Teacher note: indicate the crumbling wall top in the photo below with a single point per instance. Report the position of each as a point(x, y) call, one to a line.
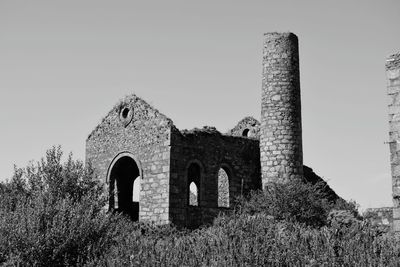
point(206, 130)
point(247, 127)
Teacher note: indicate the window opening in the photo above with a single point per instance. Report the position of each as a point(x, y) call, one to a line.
point(223, 188)
point(193, 182)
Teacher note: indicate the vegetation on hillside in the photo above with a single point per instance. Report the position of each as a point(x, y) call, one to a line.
point(52, 214)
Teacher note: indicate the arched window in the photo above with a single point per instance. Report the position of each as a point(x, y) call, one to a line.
point(193, 194)
point(245, 132)
point(223, 188)
point(193, 183)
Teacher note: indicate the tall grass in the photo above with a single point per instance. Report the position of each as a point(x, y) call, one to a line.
point(51, 214)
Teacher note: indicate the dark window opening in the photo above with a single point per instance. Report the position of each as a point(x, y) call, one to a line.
point(245, 132)
point(122, 179)
point(125, 113)
point(193, 185)
point(223, 188)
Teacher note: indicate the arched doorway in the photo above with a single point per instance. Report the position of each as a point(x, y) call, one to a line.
point(124, 176)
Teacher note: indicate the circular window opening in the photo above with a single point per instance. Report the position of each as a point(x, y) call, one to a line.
point(125, 113)
point(245, 132)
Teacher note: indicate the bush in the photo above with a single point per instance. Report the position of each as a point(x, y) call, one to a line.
point(257, 240)
point(52, 214)
point(294, 201)
point(53, 180)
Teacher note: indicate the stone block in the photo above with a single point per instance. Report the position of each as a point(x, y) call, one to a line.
point(396, 191)
point(393, 89)
point(396, 213)
point(393, 74)
point(394, 109)
point(395, 169)
point(396, 225)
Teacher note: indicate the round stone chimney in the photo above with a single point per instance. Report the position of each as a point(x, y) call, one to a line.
point(280, 135)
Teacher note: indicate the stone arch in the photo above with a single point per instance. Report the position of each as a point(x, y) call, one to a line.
point(123, 175)
point(246, 132)
point(120, 155)
point(224, 186)
point(194, 175)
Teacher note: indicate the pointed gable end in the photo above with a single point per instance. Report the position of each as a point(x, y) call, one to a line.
point(132, 126)
point(131, 114)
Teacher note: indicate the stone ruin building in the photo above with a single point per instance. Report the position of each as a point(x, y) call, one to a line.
point(187, 177)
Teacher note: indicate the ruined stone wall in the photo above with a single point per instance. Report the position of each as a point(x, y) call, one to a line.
point(393, 90)
point(382, 217)
point(211, 150)
point(145, 134)
point(247, 127)
point(280, 137)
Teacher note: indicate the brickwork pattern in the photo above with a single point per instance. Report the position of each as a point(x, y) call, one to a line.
point(280, 136)
point(393, 91)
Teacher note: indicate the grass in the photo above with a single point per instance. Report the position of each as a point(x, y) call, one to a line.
point(51, 214)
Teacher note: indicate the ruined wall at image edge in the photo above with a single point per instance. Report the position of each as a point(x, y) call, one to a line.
point(212, 150)
point(147, 137)
point(393, 91)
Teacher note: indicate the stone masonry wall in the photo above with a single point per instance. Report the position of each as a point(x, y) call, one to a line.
point(280, 136)
point(248, 124)
point(144, 133)
point(393, 91)
point(211, 150)
point(382, 217)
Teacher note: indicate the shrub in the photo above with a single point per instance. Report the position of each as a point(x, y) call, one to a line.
point(257, 240)
point(62, 233)
point(53, 180)
point(294, 201)
point(51, 213)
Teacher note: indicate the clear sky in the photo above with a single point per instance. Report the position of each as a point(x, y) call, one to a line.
point(64, 64)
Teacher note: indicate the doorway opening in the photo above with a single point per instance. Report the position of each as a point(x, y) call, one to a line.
point(124, 181)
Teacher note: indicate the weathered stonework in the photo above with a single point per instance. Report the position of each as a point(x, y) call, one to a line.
point(146, 139)
point(393, 90)
point(247, 127)
point(135, 142)
point(382, 217)
point(280, 137)
point(211, 151)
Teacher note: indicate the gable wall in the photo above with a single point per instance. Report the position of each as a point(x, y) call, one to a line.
point(147, 138)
